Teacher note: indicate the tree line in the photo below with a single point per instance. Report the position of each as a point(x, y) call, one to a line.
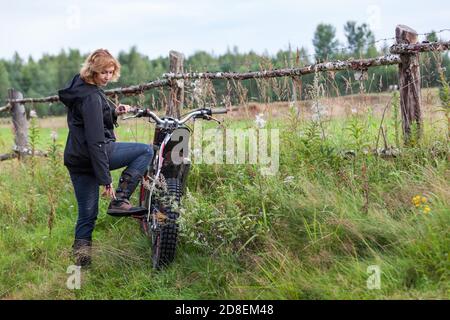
point(51, 72)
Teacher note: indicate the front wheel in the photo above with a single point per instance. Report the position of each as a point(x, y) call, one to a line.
point(162, 229)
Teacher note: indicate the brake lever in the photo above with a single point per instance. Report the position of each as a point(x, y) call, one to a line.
point(132, 110)
point(125, 118)
point(221, 126)
point(212, 118)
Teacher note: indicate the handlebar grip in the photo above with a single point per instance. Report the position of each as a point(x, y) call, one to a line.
point(140, 112)
point(219, 111)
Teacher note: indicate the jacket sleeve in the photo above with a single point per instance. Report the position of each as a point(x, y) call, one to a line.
point(115, 116)
point(92, 112)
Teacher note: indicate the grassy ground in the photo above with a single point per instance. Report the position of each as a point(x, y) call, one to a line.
point(309, 232)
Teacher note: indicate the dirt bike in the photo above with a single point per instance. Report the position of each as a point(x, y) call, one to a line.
point(163, 186)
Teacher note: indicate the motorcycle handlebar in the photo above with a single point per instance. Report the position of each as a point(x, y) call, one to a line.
point(219, 111)
point(203, 113)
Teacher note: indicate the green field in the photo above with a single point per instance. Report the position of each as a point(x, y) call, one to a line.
point(309, 232)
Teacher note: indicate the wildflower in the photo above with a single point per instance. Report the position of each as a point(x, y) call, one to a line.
point(288, 179)
point(420, 203)
point(315, 117)
point(33, 113)
point(417, 200)
point(319, 111)
point(54, 135)
point(260, 122)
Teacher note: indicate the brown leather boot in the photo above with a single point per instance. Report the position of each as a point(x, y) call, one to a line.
point(82, 252)
point(122, 206)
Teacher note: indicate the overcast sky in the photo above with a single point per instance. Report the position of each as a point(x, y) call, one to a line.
point(157, 26)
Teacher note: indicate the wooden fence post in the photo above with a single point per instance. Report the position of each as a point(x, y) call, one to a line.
point(176, 98)
point(20, 123)
point(409, 83)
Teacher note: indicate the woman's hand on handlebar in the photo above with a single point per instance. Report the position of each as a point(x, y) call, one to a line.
point(123, 108)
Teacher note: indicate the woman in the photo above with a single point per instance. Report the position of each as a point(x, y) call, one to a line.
point(92, 151)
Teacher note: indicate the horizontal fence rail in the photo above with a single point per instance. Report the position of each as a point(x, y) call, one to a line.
point(352, 64)
point(420, 47)
point(111, 92)
point(357, 65)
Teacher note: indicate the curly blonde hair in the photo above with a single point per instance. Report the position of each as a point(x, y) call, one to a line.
point(98, 61)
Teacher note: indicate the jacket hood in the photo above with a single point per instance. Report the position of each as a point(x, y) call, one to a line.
point(76, 89)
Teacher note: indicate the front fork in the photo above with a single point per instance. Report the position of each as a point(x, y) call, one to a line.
point(180, 171)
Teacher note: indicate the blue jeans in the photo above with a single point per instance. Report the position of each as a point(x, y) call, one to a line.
point(135, 156)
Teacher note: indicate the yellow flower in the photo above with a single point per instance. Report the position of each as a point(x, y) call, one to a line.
point(419, 200)
point(416, 200)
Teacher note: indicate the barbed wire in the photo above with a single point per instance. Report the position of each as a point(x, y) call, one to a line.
point(371, 43)
point(343, 49)
point(433, 32)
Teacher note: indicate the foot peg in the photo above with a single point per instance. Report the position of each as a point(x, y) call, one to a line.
point(123, 208)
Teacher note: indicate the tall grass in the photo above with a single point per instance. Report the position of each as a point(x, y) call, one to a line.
point(309, 232)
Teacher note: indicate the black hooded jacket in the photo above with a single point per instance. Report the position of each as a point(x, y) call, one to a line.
point(91, 119)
